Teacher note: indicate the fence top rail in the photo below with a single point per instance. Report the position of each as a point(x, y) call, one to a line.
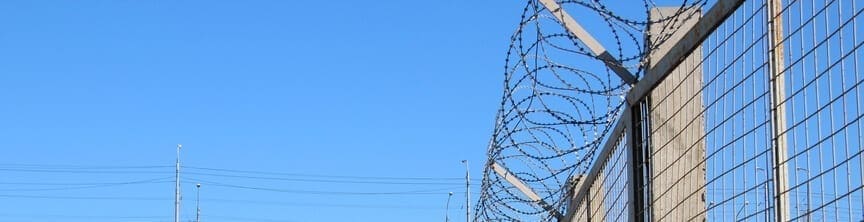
point(693, 38)
point(582, 187)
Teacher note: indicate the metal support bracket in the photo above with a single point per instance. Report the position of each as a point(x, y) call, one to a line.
point(693, 38)
point(599, 51)
point(503, 172)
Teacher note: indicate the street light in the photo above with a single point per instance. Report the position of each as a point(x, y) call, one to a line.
point(710, 214)
point(808, 190)
point(447, 208)
point(467, 192)
point(742, 209)
point(198, 202)
point(765, 186)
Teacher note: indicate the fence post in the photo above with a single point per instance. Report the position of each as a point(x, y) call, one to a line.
point(674, 151)
point(639, 163)
point(778, 108)
point(629, 147)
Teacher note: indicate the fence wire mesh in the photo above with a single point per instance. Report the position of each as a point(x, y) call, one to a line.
point(710, 137)
point(761, 122)
point(725, 124)
point(607, 197)
point(824, 103)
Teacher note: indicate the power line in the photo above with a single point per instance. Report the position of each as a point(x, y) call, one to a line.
point(299, 177)
point(300, 204)
point(58, 183)
point(248, 218)
point(66, 216)
point(219, 200)
point(81, 171)
point(80, 197)
point(89, 186)
point(67, 166)
point(317, 192)
point(322, 175)
point(322, 180)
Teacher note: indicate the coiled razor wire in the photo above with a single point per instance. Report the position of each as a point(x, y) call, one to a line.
point(560, 102)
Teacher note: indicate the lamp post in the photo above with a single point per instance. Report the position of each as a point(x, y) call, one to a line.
point(711, 215)
point(467, 192)
point(808, 191)
point(765, 186)
point(198, 202)
point(447, 208)
point(177, 187)
point(742, 209)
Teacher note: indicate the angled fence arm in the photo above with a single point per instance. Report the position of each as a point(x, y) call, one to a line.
point(504, 173)
point(718, 13)
point(599, 51)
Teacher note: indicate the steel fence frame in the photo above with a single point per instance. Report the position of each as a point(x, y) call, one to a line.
point(775, 113)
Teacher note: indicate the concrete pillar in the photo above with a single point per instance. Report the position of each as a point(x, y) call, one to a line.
point(677, 152)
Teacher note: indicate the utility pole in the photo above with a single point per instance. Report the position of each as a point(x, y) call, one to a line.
point(467, 192)
point(177, 187)
point(808, 191)
point(765, 186)
point(447, 208)
point(742, 209)
point(198, 202)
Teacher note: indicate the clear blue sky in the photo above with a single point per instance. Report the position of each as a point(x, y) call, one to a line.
point(354, 88)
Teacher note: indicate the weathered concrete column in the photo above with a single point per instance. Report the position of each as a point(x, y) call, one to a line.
point(778, 109)
point(677, 152)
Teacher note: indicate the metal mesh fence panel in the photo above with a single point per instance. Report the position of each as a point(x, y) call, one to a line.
point(760, 120)
point(823, 99)
point(606, 197)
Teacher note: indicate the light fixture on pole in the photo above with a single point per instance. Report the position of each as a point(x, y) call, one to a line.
point(765, 186)
point(467, 192)
point(808, 191)
point(177, 187)
point(447, 208)
point(742, 209)
point(198, 202)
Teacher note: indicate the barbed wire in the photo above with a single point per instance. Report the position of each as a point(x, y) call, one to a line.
point(560, 101)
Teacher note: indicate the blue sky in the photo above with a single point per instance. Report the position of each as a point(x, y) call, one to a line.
point(328, 88)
